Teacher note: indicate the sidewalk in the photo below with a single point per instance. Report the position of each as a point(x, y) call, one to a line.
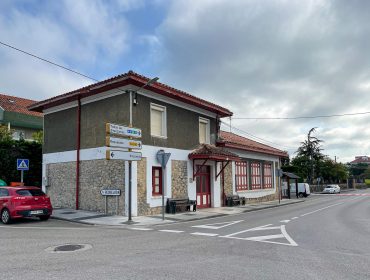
point(93, 218)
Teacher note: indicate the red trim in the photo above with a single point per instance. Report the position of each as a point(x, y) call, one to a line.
point(78, 152)
point(134, 79)
point(214, 157)
point(267, 176)
point(241, 176)
point(154, 168)
point(256, 175)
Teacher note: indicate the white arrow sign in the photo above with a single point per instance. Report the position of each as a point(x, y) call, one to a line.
point(123, 130)
point(122, 143)
point(123, 155)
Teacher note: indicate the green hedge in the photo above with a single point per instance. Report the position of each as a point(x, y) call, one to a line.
point(10, 151)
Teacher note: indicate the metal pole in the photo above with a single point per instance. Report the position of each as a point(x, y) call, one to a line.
point(163, 180)
point(21, 176)
point(129, 190)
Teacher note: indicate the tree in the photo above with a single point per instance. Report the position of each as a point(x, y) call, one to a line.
point(38, 136)
point(310, 152)
point(6, 134)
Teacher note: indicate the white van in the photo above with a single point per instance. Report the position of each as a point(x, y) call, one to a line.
point(303, 189)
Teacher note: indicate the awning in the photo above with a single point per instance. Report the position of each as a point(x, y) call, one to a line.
point(291, 175)
point(208, 152)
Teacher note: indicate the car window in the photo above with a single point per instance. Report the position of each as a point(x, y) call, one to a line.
point(4, 192)
point(30, 192)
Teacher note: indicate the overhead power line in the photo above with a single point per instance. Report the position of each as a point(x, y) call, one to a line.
point(302, 117)
point(48, 61)
point(258, 138)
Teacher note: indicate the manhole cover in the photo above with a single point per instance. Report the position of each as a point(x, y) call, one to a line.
point(68, 248)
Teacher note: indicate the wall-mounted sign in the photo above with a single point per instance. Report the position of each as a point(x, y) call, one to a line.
point(121, 130)
point(122, 143)
point(110, 192)
point(123, 155)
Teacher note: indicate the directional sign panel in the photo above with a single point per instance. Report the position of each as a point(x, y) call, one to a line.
point(23, 164)
point(110, 192)
point(118, 154)
point(122, 143)
point(121, 130)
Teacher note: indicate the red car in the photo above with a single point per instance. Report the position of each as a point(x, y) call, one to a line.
point(20, 202)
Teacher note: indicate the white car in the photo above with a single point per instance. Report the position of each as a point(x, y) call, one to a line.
point(331, 189)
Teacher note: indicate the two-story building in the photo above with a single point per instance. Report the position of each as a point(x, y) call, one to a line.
point(75, 168)
point(15, 115)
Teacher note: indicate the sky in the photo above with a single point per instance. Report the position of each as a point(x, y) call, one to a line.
point(259, 59)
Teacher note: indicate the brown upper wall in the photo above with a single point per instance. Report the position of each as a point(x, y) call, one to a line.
point(61, 127)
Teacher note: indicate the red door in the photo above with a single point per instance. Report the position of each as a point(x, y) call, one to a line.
point(203, 187)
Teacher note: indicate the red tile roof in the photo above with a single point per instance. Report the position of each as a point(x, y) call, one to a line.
point(235, 141)
point(17, 105)
point(206, 151)
point(361, 159)
point(134, 79)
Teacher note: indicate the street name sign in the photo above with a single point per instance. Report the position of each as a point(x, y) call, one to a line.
point(121, 130)
point(122, 143)
point(23, 164)
point(123, 155)
point(110, 192)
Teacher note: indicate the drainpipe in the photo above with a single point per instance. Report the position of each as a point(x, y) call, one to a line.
point(78, 151)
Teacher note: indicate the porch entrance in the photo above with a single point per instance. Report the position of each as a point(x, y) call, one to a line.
point(203, 183)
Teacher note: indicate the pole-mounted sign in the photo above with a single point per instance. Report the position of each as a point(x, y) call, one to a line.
point(22, 165)
point(121, 130)
point(163, 158)
point(122, 143)
point(123, 155)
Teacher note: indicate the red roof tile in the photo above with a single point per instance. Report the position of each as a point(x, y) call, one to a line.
point(206, 151)
point(17, 105)
point(134, 79)
point(361, 159)
point(235, 141)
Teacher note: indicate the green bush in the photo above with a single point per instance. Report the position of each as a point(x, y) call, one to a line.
point(10, 151)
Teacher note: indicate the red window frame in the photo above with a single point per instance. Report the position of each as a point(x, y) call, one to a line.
point(256, 175)
point(241, 176)
point(267, 176)
point(159, 177)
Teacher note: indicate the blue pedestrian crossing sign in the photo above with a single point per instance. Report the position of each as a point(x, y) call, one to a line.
point(23, 164)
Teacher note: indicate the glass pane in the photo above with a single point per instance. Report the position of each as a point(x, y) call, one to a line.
point(157, 189)
point(156, 181)
point(156, 122)
point(198, 184)
point(202, 132)
point(156, 172)
point(204, 186)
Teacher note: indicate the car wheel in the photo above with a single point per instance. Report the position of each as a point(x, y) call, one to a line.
point(301, 195)
point(44, 218)
point(5, 216)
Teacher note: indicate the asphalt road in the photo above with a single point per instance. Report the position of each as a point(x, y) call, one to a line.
point(326, 237)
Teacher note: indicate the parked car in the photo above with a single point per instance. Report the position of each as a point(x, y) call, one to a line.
point(303, 189)
point(331, 189)
point(20, 202)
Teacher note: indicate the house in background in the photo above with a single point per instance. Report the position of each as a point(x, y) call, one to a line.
point(361, 160)
point(201, 166)
point(15, 115)
point(254, 175)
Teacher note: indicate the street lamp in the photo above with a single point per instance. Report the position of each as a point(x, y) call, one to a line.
point(130, 162)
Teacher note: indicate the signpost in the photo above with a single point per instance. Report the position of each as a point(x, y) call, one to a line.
point(163, 158)
point(22, 165)
point(115, 139)
point(110, 192)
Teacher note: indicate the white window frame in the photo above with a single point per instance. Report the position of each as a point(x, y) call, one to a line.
point(157, 107)
point(208, 128)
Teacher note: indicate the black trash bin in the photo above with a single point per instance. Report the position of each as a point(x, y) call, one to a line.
point(229, 201)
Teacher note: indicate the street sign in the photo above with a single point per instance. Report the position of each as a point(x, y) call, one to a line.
point(118, 154)
point(110, 192)
point(23, 164)
point(121, 130)
point(279, 172)
point(122, 143)
point(163, 158)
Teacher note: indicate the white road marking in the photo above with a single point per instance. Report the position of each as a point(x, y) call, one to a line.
point(285, 221)
point(144, 229)
point(61, 228)
point(170, 230)
point(252, 229)
point(294, 218)
point(218, 225)
point(266, 238)
point(309, 213)
point(204, 234)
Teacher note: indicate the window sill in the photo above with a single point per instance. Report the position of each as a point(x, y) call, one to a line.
point(161, 137)
point(156, 196)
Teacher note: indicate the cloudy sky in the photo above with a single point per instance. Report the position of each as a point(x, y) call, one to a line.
point(260, 59)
